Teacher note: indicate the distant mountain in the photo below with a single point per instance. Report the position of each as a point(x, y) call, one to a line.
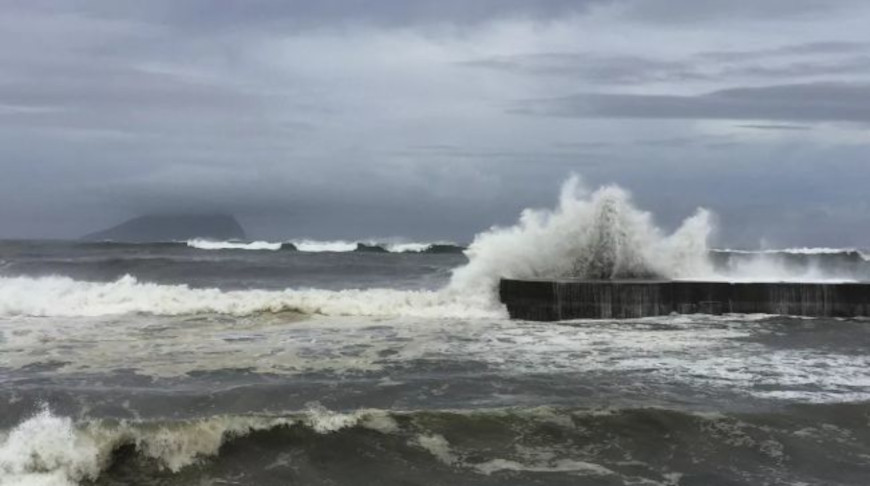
point(157, 227)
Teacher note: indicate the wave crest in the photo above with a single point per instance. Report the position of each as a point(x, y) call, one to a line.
point(51, 450)
point(202, 244)
point(337, 246)
point(598, 235)
point(65, 297)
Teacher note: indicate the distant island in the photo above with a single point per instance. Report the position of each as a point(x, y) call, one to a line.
point(163, 227)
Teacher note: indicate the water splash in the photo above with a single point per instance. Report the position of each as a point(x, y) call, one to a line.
point(593, 235)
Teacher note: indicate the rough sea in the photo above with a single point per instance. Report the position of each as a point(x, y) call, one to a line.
point(246, 364)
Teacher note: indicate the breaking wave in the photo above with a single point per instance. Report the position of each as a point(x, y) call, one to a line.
point(593, 235)
point(577, 446)
point(314, 246)
point(341, 246)
point(795, 264)
point(202, 244)
point(65, 297)
point(799, 251)
point(51, 450)
point(602, 235)
point(590, 234)
point(336, 246)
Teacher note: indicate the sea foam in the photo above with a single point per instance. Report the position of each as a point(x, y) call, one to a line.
point(589, 234)
point(601, 234)
point(202, 244)
point(64, 297)
point(598, 235)
point(389, 245)
point(52, 450)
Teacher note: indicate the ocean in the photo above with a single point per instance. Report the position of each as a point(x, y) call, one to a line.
point(254, 363)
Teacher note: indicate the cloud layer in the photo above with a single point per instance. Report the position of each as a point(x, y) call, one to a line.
point(814, 102)
point(434, 119)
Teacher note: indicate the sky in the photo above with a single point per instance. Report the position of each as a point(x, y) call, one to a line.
point(435, 119)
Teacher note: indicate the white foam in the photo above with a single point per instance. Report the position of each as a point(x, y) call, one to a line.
point(323, 421)
point(391, 245)
point(766, 266)
point(602, 235)
point(65, 297)
point(596, 234)
point(47, 450)
point(409, 247)
point(796, 251)
point(588, 235)
point(438, 446)
point(315, 246)
point(559, 466)
point(51, 450)
point(711, 353)
point(232, 245)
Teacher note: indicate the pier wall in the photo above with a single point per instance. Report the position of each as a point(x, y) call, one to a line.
point(553, 300)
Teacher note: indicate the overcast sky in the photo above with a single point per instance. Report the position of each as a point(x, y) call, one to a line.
point(435, 119)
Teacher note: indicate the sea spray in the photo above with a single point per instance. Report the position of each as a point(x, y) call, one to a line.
point(46, 449)
point(589, 234)
point(595, 235)
point(800, 264)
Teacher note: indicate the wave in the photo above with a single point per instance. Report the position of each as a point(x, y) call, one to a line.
point(232, 245)
point(802, 445)
point(589, 234)
point(51, 450)
point(315, 246)
point(602, 235)
point(595, 235)
point(800, 251)
point(64, 297)
point(337, 246)
point(792, 264)
point(341, 246)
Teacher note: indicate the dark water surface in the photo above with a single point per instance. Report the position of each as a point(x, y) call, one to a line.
point(163, 364)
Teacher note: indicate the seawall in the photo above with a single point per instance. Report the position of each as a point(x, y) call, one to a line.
point(553, 300)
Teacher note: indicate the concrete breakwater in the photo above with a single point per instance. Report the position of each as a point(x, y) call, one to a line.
point(553, 300)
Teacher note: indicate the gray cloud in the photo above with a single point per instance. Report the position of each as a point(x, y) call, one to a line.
point(796, 102)
point(683, 11)
point(277, 15)
point(593, 68)
point(775, 127)
point(793, 70)
point(802, 49)
point(796, 61)
point(269, 15)
point(369, 118)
